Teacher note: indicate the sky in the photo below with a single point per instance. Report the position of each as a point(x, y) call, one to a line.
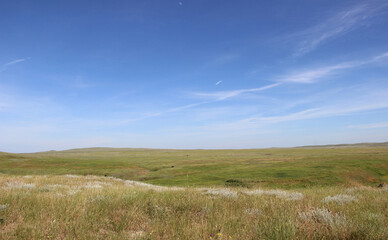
point(192, 74)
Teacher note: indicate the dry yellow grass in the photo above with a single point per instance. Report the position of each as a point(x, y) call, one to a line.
point(90, 207)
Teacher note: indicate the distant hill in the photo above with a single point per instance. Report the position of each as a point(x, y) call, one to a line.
point(355, 145)
point(299, 167)
point(112, 149)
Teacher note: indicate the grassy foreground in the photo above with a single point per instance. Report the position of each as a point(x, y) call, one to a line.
point(326, 192)
point(346, 165)
point(90, 207)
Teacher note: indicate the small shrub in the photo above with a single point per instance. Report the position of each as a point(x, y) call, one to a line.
point(235, 183)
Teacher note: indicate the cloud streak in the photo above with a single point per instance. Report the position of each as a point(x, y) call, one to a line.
point(320, 113)
point(215, 97)
point(339, 24)
point(308, 76)
point(313, 75)
point(223, 95)
point(9, 64)
point(256, 123)
point(358, 105)
point(370, 125)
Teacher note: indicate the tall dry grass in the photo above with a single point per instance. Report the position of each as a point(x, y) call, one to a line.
point(75, 207)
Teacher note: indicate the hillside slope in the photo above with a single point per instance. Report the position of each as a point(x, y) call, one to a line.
point(283, 167)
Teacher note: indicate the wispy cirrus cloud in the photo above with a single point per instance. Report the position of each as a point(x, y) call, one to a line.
point(223, 95)
point(315, 74)
point(339, 24)
point(359, 104)
point(9, 64)
point(213, 97)
point(370, 125)
point(307, 76)
point(159, 113)
point(322, 112)
point(311, 113)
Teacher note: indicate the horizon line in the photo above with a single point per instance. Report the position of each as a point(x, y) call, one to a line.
point(205, 149)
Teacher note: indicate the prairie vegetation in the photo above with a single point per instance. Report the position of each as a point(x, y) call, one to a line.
point(271, 168)
point(304, 193)
point(90, 207)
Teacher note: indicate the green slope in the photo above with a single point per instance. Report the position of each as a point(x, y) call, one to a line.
point(275, 167)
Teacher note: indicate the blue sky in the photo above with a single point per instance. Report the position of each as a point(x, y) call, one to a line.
point(192, 74)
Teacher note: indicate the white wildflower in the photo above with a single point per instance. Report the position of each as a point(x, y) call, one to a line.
point(206, 209)
point(92, 185)
point(72, 176)
point(55, 186)
point(384, 189)
point(3, 206)
point(341, 198)
point(175, 188)
point(140, 184)
point(92, 177)
point(20, 185)
point(277, 193)
point(52, 187)
point(72, 192)
point(151, 186)
point(115, 179)
point(374, 216)
point(136, 234)
point(96, 198)
point(252, 211)
point(102, 183)
point(352, 190)
point(360, 188)
point(323, 215)
point(220, 191)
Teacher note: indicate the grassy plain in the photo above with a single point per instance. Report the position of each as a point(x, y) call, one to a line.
point(326, 192)
point(345, 165)
point(89, 207)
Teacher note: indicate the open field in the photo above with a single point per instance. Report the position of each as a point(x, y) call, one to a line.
point(90, 207)
point(365, 164)
point(325, 192)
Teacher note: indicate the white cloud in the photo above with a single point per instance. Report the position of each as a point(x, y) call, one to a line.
point(357, 105)
point(370, 125)
point(313, 75)
point(339, 24)
point(377, 58)
point(214, 97)
point(223, 95)
point(322, 112)
point(7, 65)
point(219, 82)
point(305, 114)
point(308, 76)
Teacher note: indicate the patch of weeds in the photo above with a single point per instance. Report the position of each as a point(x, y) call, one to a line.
point(235, 183)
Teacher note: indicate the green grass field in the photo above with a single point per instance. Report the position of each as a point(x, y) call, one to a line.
point(281, 168)
point(325, 192)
